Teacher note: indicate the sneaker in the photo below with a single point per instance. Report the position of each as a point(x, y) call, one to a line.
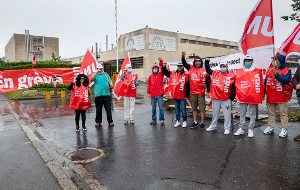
point(226, 132)
point(202, 125)
point(240, 131)
point(297, 138)
point(162, 122)
point(177, 124)
point(210, 129)
point(131, 121)
point(152, 122)
point(84, 128)
point(97, 124)
point(283, 133)
point(268, 130)
point(125, 122)
point(250, 133)
point(111, 124)
point(194, 126)
point(77, 129)
point(184, 124)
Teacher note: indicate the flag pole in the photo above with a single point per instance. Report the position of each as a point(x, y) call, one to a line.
point(117, 49)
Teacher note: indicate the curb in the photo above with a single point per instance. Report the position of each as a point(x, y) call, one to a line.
point(70, 176)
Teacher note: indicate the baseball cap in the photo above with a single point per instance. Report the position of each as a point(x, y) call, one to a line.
point(223, 63)
point(248, 57)
point(99, 66)
point(127, 66)
point(155, 65)
point(179, 64)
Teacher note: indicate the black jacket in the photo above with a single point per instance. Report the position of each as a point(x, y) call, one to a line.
point(168, 73)
point(296, 80)
point(187, 66)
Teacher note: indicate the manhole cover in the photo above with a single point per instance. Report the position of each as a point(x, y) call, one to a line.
point(85, 155)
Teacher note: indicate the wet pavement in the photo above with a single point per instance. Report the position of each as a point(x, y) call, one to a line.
point(142, 156)
point(20, 165)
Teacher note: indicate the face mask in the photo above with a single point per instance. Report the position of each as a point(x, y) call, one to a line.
point(130, 70)
point(248, 64)
point(223, 70)
point(154, 70)
point(276, 63)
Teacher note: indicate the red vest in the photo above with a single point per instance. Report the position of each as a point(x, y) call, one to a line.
point(178, 84)
point(80, 98)
point(277, 92)
point(221, 84)
point(249, 86)
point(128, 88)
point(197, 80)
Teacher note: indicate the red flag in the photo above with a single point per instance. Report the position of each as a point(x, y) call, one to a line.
point(259, 31)
point(89, 65)
point(118, 82)
point(291, 46)
point(167, 86)
point(92, 50)
point(33, 61)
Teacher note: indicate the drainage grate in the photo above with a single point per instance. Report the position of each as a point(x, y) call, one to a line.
point(85, 155)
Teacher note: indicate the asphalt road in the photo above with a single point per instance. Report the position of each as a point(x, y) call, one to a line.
point(142, 156)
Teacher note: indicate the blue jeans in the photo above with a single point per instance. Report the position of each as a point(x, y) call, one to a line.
point(299, 100)
point(159, 100)
point(180, 104)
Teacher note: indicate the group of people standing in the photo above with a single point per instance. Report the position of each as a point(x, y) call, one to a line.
point(247, 86)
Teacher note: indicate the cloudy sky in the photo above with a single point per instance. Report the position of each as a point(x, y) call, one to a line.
point(79, 24)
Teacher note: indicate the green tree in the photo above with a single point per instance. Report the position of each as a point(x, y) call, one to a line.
point(55, 59)
point(296, 15)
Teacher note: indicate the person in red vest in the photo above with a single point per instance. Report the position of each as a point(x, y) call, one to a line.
point(179, 86)
point(155, 91)
point(128, 87)
point(222, 93)
point(80, 99)
point(198, 80)
point(279, 89)
point(249, 92)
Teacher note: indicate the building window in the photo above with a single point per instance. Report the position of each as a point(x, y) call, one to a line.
point(40, 56)
point(223, 46)
point(215, 45)
point(39, 41)
point(34, 48)
point(211, 44)
point(197, 42)
point(182, 40)
point(234, 47)
point(201, 43)
point(192, 42)
point(34, 41)
point(228, 46)
point(187, 41)
point(219, 45)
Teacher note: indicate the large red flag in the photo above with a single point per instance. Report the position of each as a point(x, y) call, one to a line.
point(33, 61)
point(89, 65)
point(259, 31)
point(118, 82)
point(291, 46)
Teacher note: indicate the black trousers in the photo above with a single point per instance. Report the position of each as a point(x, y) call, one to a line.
point(100, 101)
point(77, 117)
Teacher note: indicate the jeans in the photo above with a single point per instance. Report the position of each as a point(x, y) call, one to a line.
point(180, 104)
point(159, 100)
point(299, 100)
point(100, 101)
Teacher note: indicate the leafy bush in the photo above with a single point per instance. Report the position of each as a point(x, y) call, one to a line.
point(45, 85)
point(39, 85)
point(29, 93)
point(50, 85)
point(34, 86)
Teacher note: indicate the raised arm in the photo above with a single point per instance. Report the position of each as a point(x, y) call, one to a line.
point(165, 70)
point(183, 61)
point(207, 67)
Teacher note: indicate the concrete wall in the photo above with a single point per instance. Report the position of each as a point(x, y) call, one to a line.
point(9, 49)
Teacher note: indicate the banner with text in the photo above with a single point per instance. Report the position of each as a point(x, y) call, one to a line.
point(162, 43)
point(11, 80)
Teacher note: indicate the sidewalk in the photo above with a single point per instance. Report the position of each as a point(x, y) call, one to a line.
point(21, 167)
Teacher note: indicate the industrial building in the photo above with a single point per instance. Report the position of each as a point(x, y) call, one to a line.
point(146, 45)
point(22, 47)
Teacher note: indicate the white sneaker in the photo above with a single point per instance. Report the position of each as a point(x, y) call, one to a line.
point(184, 124)
point(268, 130)
point(211, 128)
point(177, 124)
point(240, 131)
point(283, 133)
point(250, 133)
point(226, 132)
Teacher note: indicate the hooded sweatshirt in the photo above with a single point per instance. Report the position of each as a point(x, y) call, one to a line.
point(155, 82)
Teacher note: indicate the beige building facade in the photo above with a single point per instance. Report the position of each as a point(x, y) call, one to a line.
point(146, 45)
point(22, 47)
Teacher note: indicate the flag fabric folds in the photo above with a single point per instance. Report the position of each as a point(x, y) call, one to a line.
point(118, 83)
point(33, 61)
point(291, 46)
point(259, 31)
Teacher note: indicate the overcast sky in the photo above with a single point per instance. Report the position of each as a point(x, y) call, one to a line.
point(79, 24)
